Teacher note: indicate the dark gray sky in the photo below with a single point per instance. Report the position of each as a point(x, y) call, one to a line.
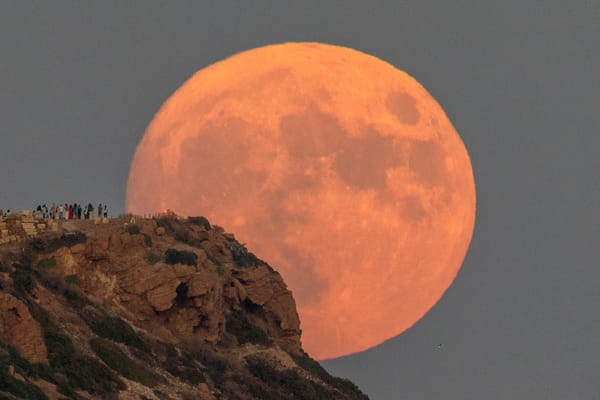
point(80, 81)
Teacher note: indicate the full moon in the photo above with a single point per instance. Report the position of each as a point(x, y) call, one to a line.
point(336, 168)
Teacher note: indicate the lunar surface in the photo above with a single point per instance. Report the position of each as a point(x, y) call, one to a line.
point(339, 170)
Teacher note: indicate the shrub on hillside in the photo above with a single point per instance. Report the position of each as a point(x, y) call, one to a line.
point(82, 372)
point(245, 331)
point(148, 240)
point(116, 359)
point(178, 230)
point(73, 280)
point(153, 258)
point(200, 221)
point(79, 372)
point(242, 256)
point(304, 361)
point(133, 229)
point(117, 330)
point(16, 387)
point(23, 366)
point(287, 380)
point(75, 296)
point(4, 268)
point(214, 365)
point(22, 281)
point(183, 366)
point(50, 245)
point(174, 256)
point(47, 263)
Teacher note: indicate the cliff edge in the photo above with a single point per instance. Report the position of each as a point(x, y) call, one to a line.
point(160, 308)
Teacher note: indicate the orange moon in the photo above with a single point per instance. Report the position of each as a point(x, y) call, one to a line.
point(339, 170)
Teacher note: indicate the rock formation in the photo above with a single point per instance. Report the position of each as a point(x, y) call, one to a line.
point(160, 308)
point(19, 329)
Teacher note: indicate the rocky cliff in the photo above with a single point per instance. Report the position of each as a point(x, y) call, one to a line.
point(160, 308)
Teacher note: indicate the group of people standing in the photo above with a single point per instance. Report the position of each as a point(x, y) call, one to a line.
point(71, 211)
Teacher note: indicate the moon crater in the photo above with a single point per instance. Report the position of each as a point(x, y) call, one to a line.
point(404, 107)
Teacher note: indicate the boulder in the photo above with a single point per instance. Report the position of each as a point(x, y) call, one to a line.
point(65, 261)
point(153, 278)
point(200, 283)
point(268, 290)
point(161, 298)
point(258, 284)
point(241, 290)
point(19, 329)
point(204, 392)
point(98, 249)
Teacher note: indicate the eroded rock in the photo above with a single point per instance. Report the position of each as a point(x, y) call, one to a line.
point(19, 329)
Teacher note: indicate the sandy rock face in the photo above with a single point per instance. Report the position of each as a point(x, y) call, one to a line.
point(201, 282)
point(19, 329)
point(204, 392)
point(207, 291)
point(267, 289)
point(258, 283)
point(186, 301)
point(67, 260)
point(161, 298)
point(200, 325)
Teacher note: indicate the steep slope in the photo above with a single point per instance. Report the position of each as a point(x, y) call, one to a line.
point(160, 308)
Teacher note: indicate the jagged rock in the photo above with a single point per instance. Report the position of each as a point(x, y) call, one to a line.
point(258, 283)
point(201, 282)
point(200, 233)
point(78, 249)
point(153, 277)
point(242, 293)
point(266, 289)
point(216, 245)
point(66, 262)
point(213, 314)
point(98, 250)
point(69, 226)
point(161, 297)
point(19, 329)
point(183, 272)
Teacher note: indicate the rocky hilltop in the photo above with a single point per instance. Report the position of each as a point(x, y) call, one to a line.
point(161, 308)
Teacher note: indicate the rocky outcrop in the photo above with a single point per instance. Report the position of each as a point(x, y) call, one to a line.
point(22, 225)
point(191, 302)
point(20, 330)
point(207, 323)
point(266, 289)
